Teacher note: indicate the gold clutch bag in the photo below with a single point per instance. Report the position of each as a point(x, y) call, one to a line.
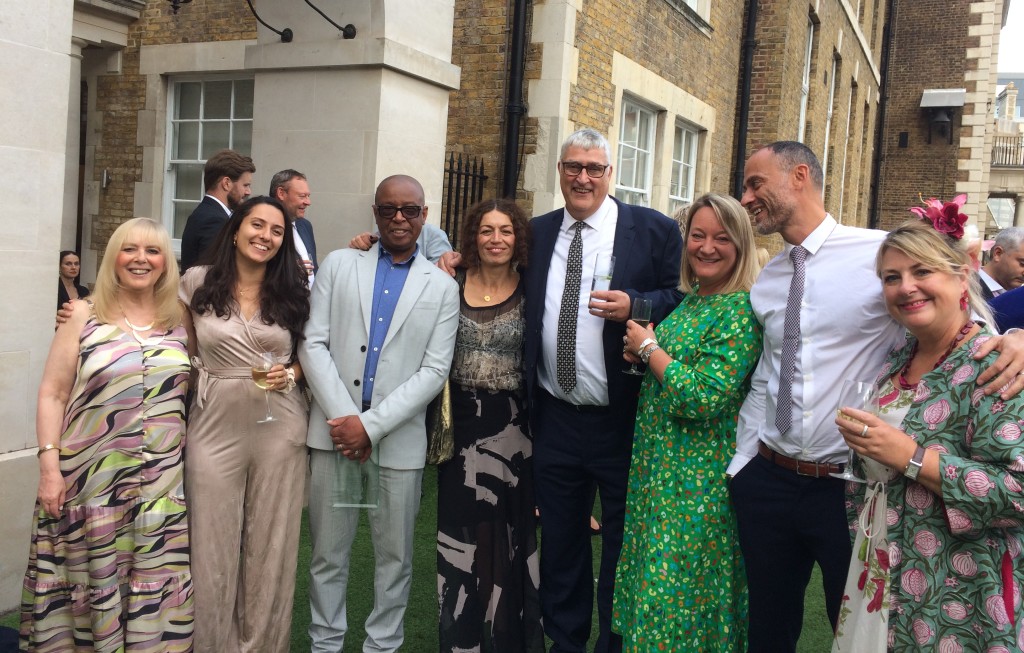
point(440, 429)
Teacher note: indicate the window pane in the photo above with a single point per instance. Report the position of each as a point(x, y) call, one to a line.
point(216, 136)
point(186, 140)
point(188, 182)
point(217, 102)
point(181, 212)
point(241, 137)
point(629, 125)
point(243, 98)
point(677, 146)
point(627, 166)
point(645, 134)
point(189, 94)
point(674, 183)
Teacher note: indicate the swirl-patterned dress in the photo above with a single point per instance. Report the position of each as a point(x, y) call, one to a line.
point(680, 584)
point(957, 560)
point(112, 572)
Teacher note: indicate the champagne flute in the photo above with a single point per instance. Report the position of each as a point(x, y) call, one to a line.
point(642, 316)
point(861, 395)
point(603, 269)
point(261, 365)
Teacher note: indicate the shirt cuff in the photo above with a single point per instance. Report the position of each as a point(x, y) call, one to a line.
point(739, 461)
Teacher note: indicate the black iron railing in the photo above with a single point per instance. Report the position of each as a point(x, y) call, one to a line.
point(463, 186)
point(1008, 151)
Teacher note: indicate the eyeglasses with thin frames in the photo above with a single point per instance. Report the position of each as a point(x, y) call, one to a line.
point(594, 170)
point(409, 212)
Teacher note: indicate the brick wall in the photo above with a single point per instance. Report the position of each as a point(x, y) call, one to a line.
point(930, 38)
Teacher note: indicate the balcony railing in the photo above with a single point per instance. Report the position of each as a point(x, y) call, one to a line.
point(1008, 151)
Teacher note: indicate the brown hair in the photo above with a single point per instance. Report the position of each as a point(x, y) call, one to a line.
point(226, 163)
point(471, 226)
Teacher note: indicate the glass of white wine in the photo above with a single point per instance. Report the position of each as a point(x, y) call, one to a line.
point(862, 395)
point(642, 316)
point(261, 365)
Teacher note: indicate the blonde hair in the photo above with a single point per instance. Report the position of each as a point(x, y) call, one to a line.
point(921, 242)
point(736, 223)
point(104, 297)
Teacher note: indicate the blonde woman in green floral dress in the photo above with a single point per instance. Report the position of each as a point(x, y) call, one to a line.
point(680, 583)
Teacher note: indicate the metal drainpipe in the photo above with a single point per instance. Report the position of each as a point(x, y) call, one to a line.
point(883, 96)
point(515, 109)
point(749, 43)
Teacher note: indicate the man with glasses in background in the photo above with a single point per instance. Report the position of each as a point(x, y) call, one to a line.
point(582, 404)
point(378, 346)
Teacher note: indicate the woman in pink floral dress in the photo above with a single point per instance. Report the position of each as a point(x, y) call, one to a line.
point(955, 503)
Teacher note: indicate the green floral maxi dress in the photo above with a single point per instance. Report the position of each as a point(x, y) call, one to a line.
point(680, 583)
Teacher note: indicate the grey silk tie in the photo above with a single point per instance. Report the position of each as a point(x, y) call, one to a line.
point(569, 313)
point(790, 341)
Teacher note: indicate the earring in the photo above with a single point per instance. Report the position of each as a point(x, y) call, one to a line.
point(234, 241)
point(963, 301)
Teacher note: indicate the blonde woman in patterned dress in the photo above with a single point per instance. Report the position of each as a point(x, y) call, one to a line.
point(952, 460)
point(109, 564)
point(680, 583)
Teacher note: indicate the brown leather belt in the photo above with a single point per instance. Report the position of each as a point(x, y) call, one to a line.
point(801, 467)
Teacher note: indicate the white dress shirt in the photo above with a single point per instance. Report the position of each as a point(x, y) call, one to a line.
point(994, 286)
point(303, 253)
point(591, 377)
point(845, 334)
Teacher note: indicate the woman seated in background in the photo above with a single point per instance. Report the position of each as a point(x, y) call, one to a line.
point(487, 565)
point(68, 287)
point(950, 462)
point(246, 479)
point(680, 583)
point(109, 562)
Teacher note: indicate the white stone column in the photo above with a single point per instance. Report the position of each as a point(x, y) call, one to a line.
point(349, 112)
point(34, 60)
point(69, 219)
point(1018, 211)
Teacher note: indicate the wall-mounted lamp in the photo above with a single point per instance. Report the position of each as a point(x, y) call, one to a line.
point(176, 4)
point(940, 105)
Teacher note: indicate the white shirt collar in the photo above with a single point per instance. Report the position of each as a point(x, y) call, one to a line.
point(222, 204)
point(595, 220)
point(816, 238)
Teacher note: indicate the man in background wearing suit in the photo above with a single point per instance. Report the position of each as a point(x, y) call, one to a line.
point(227, 177)
point(583, 407)
point(291, 188)
point(1005, 268)
point(378, 347)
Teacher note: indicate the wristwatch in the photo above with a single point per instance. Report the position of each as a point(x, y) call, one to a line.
point(913, 467)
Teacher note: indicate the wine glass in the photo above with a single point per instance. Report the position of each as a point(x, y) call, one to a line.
point(642, 316)
point(261, 365)
point(861, 395)
point(603, 269)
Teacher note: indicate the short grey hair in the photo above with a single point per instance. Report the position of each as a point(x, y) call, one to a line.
point(282, 178)
point(1009, 239)
point(587, 139)
point(793, 153)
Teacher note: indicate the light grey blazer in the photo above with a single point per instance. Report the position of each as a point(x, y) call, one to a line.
point(413, 364)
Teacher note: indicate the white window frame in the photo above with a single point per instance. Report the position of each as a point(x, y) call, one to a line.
point(828, 122)
point(805, 84)
point(172, 163)
point(637, 189)
point(684, 166)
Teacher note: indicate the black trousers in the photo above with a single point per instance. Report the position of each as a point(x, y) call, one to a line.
point(787, 522)
point(573, 451)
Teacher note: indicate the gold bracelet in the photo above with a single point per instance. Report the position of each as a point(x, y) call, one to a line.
point(43, 449)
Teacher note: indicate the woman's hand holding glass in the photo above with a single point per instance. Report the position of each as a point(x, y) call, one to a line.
point(635, 335)
point(879, 441)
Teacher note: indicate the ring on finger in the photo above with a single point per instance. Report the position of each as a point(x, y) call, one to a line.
point(864, 431)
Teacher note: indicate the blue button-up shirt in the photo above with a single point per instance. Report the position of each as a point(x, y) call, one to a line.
point(387, 288)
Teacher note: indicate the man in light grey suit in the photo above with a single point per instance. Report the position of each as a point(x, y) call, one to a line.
point(378, 347)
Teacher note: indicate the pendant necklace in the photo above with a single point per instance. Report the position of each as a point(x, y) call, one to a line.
point(135, 329)
point(901, 377)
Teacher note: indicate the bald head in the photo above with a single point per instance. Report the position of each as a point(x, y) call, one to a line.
point(399, 180)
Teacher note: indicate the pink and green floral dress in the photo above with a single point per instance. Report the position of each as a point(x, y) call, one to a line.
point(956, 562)
point(680, 583)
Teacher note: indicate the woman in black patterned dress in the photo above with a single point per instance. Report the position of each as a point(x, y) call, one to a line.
point(487, 566)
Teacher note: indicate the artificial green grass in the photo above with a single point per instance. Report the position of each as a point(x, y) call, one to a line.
point(421, 617)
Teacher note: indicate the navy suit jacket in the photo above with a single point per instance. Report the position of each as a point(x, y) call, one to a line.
point(648, 251)
point(200, 231)
point(305, 229)
point(1009, 309)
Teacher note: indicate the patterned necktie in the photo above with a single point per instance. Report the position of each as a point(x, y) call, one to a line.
point(569, 313)
point(790, 342)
